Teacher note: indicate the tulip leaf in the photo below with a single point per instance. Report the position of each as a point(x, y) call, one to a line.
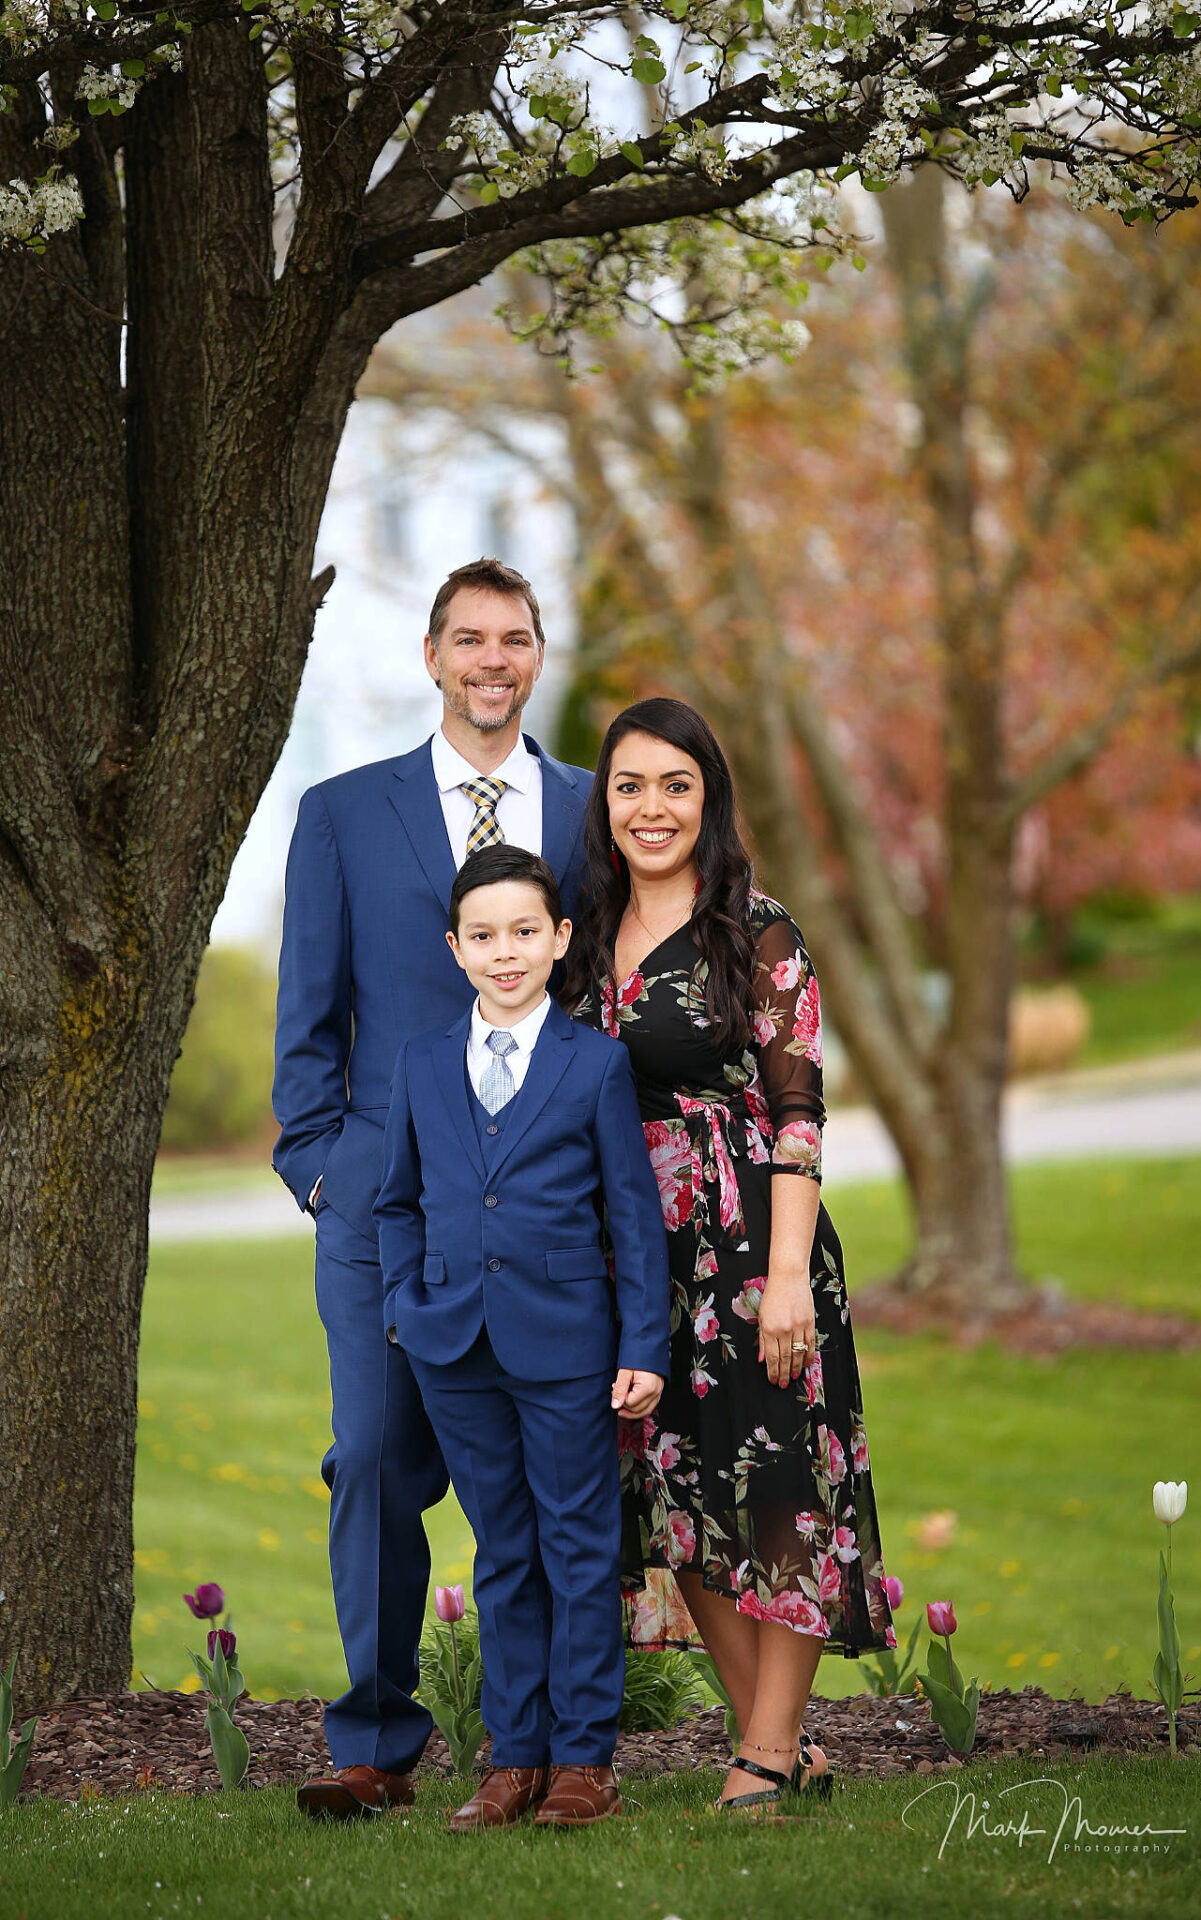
point(1169, 1644)
point(942, 1669)
point(13, 1770)
point(6, 1708)
point(231, 1750)
point(954, 1717)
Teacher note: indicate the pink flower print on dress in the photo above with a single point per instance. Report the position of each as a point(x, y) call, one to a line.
point(634, 1436)
point(680, 1543)
point(756, 1100)
point(666, 1451)
point(702, 1381)
point(838, 1459)
point(633, 989)
point(786, 974)
point(890, 1637)
point(705, 1323)
point(806, 1525)
point(829, 1580)
point(786, 1610)
point(844, 1544)
point(670, 1159)
point(764, 1028)
point(799, 1144)
point(859, 1460)
point(814, 1384)
point(807, 1024)
point(747, 1305)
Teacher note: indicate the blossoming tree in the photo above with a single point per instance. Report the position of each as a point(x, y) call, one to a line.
point(210, 214)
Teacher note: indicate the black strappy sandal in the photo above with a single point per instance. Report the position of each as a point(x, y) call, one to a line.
point(782, 1783)
point(822, 1784)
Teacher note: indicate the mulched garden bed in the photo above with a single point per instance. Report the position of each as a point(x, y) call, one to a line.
point(137, 1742)
point(1049, 1322)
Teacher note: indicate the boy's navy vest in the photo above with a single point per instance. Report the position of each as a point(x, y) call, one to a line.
point(489, 1127)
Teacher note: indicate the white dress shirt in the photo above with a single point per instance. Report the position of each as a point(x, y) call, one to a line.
point(525, 1032)
point(519, 809)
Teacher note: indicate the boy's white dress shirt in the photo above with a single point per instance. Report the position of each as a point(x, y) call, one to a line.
point(519, 809)
point(480, 1055)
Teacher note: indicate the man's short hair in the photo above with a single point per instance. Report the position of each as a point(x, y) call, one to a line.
point(491, 574)
point(493, 864)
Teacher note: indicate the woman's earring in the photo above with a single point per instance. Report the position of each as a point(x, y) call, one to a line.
point(613, 854)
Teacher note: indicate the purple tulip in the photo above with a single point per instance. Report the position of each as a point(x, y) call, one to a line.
point(941, 1616)
point(448, 1604)
point(207, 1601)
point(227, 1639)
point(894, 1591)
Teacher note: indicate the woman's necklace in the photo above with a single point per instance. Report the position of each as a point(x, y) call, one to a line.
point(678, 921)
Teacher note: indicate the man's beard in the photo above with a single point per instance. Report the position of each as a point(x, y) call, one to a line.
point(457, 700)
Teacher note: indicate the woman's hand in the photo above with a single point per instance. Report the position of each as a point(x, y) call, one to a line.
point(635, 1394)
point(787, 1327)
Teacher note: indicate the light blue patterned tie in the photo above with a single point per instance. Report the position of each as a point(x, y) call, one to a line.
point(497, 1086)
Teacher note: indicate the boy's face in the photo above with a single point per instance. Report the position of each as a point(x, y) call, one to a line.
point(507, 944)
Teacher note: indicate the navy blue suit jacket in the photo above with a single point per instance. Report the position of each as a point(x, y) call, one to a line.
point(364, 961)
point(517, 1247)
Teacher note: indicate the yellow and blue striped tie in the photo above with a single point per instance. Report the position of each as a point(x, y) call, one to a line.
point(485, 830)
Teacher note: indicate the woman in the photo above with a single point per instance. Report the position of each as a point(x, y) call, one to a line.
point(751, 1482)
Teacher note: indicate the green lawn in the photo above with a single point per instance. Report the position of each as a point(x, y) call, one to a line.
point(875, 1850)
point(1144, 988)
point(1128, 1230)
point(1047, 1464)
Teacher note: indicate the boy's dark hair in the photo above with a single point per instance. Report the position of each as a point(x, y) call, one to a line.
point(491, 573)
point(491, 864)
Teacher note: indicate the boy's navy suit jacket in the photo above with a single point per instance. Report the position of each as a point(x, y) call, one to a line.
point(518, 1247)
point(364, 961)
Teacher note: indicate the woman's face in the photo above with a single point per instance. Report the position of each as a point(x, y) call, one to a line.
point(656, 797)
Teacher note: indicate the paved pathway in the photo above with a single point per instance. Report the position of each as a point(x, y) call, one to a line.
point(1141, 1109)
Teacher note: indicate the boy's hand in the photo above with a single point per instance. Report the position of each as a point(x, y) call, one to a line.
point(635, 1394)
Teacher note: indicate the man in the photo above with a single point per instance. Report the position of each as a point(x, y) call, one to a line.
point(364, 964)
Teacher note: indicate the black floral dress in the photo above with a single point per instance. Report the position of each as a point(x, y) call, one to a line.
point(765, 1491)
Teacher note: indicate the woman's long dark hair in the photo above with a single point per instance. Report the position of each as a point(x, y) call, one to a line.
point(720, 918)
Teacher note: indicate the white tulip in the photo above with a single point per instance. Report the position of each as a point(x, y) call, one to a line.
point(1169, 1499)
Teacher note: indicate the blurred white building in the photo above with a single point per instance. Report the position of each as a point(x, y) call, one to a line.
point(401, 514)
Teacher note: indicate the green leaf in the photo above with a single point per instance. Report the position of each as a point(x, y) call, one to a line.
point(96, 107)
point(582, 163)
point(858, 262)
point(13, 1770)
point(633, 153)
point(754, 10)
point(856, 27)
point(1053, 84)
point(1017, 141)
point(946, 1673)
point(648, 71)
point(539, 106)
point(1184, 23)
point(1169, 1645)
point(133, 69)
point(104, 9)
point(676, 8)
point(876, 186)
point(847, 167)
point(488, 193)
point(231, 1749)
point(955, 1718)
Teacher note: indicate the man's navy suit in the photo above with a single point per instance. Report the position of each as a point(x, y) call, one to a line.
point(364, 964)
point(496, 1286)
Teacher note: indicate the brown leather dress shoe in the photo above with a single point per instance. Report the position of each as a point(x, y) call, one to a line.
point(503, 1795)
point(355, 1793)
point(578, 1796)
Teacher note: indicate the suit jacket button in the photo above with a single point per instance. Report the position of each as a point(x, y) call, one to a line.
point(492, 1129)
point(489, 1199)
point(494, 1266)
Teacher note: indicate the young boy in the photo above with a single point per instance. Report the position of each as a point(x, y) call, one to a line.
point(505, 1133)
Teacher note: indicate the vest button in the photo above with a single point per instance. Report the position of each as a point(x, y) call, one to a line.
point(494, 1266)
point(489, 1199)
point(492, 1129)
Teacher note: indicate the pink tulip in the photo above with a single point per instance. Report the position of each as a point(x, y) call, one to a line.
point(941, 1616)
point(207, 1601)
point(448, 1604)
point(894, 1591)
point(227, 1639)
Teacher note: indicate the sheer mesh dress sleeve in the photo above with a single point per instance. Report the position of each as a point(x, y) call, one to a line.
point(788, 1029)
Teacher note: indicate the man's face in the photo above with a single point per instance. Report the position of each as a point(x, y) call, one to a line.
point(486, 659)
